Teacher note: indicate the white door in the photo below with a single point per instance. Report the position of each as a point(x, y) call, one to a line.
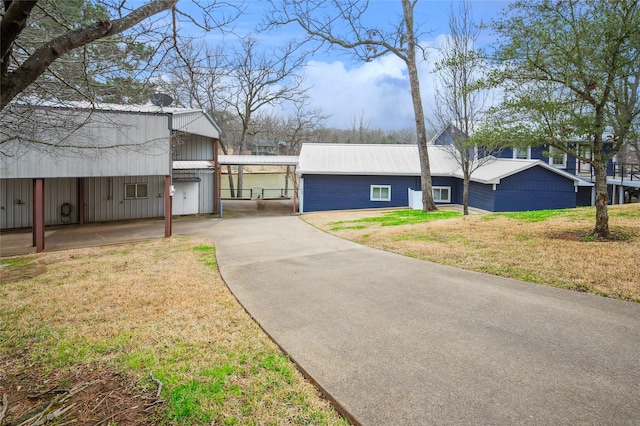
point(185, 199)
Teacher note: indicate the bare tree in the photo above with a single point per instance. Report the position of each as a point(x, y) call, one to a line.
point(325, 21)
point(257, 79)
point(459, 99)
point(56, 51)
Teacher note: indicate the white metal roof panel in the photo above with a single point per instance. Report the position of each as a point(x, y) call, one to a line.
point(258, 160)
point(193, 165)
point(381, 159)
point(357, 159)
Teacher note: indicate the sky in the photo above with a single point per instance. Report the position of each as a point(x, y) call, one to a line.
point(375, 93)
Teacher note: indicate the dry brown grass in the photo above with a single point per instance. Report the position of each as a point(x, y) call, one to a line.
point(558, 251)
point(154, 306)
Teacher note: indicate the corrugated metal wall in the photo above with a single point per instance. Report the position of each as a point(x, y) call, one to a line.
point(105, 200)
point(193, 147)
point(138, 146)
point(56, 193)
point(16, 203)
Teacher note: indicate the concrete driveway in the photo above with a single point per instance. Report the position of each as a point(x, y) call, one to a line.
point(394, 340)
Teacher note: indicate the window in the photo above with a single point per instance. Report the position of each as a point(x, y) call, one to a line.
point(522, 153)
point(380, 192)
point(557, 158)
point(135, 190)
point(442, 194)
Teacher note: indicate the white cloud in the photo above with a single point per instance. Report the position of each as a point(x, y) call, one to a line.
point(378, 90)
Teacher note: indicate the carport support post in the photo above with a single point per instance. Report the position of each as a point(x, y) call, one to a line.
point(38, 214)
point(167, 206)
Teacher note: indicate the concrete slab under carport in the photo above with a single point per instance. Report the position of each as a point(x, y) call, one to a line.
point(395, 340)
point(20, 242)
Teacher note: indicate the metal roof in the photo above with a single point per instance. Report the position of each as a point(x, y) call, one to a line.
point(258, 160)
point(193, 165)
point(188, 120)
point(381, 159)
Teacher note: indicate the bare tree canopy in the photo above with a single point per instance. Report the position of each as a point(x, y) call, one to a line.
point(460, 102)
point(345, 24)
point(571, 79)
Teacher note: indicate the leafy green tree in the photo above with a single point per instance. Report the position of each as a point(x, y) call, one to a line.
point(570, 73)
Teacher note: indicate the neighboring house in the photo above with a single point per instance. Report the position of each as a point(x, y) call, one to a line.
point(351, 176)
point(108, 162)
point(623, 177)
point(622, 182)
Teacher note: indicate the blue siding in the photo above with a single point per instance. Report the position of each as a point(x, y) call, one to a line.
point(481, 196)
point(583, 197)
point(455, 184)
point(534, 189)
point(506, 153)
point(537, 153)
point(333, 192)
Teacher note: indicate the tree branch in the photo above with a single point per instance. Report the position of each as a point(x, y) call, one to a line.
point(18, 80)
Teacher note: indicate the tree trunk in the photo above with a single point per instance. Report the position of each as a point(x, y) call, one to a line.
point(465, 194)
point(602, 199)
point(425, 170)
point(240, 180)
point(231, 185)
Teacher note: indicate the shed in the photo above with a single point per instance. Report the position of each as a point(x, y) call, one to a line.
point(94, 163)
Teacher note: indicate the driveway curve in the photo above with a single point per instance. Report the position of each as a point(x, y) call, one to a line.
point(395, 340)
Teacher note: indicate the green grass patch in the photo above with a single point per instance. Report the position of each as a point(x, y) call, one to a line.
point(396, 218)
point(531, 216)
point(15, 262)
point(113, 309)
point(208, 255)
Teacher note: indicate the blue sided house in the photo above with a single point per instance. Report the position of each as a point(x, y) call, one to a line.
point(351, 176)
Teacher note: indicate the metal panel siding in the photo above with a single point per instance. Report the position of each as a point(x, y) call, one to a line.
point(12, 213)
point(56, 193)
point(195, 122)
point(143, 142)
point(193, 147)
point(534, 189)
point(206, 193)
point(104, 198)
point(331, 192)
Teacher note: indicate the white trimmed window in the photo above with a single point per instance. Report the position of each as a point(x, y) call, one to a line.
point(133, 191)
point(442, 194)
point(380, 193)
point(557, 158)
point(522, 153)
